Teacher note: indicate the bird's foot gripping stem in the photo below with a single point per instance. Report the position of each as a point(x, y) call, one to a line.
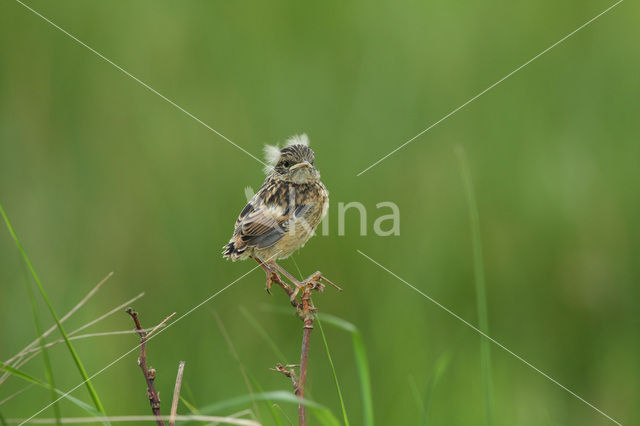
point(272, 275)
point(312, 282)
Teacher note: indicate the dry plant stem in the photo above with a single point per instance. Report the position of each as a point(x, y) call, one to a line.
point(211, 420)
point(20, 355)
point(81, 303)
point(36, 351)
point(13, 395)
point(289, 372)
point(149, 374)
point(30, 347)
point(176, 395)
point(306, 312)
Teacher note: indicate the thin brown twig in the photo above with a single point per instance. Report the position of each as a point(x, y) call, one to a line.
point(289, 372)
point(149, 373)
point(176, 395)
point(307, 313)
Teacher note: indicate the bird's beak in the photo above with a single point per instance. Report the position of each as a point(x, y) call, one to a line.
point(299, 165)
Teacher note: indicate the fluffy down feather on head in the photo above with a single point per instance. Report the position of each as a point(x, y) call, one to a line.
point(272, 152)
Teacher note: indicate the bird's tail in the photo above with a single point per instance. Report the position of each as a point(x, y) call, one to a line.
point(233, 251)
point(228, 250)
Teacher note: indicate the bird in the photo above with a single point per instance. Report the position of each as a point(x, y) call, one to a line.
point(283, 215)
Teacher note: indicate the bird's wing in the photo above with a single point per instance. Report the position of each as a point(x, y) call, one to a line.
point(262, 224)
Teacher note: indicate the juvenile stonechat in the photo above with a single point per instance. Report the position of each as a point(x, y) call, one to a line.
point(283, 214)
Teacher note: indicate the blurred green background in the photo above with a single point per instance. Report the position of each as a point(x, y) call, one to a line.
point(98, 174)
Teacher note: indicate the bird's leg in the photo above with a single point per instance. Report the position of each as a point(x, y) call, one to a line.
point(272, 275)
point(313, 281)
point(293, 279)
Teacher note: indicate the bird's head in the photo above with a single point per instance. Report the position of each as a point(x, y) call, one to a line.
point(294, 162)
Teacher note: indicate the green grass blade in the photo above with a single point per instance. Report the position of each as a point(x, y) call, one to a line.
point(43, 348)
point(419, 402)
point(189, 405)
point(252, 320)
point(268, 402)
point(236, 356)
point(333, 370)
point(24, 376)
point(297, 267)
point(441, 365)
point(424, 404)
point(326, 417)
point(3, 422)
point(481, 296)
point(321, 412)
point(74, 354)
point(362, 364)
point(276, 407)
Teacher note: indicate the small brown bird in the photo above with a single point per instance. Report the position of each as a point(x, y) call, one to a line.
point(282, 216)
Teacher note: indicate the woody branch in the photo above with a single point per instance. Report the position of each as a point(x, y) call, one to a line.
point(306, 312)
point(148, 372)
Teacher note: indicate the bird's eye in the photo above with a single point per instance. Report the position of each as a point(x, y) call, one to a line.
point(286, 164)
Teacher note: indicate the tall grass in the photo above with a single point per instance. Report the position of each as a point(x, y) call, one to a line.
point(362, 364)
point(236, 357)
point(322, 413)
point(74, 354)
point(479, 279)
point(262, 332)
point(273, 408)
point(45, 352)
point(26, 377)
point(333, 371)
point(424, 402)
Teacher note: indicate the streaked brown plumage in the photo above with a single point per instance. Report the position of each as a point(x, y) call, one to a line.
point(282, 216)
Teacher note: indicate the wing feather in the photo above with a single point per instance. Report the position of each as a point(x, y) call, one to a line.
point(265, 219)
point(264, 223)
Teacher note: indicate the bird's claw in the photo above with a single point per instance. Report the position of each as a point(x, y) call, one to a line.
point(272, 277)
